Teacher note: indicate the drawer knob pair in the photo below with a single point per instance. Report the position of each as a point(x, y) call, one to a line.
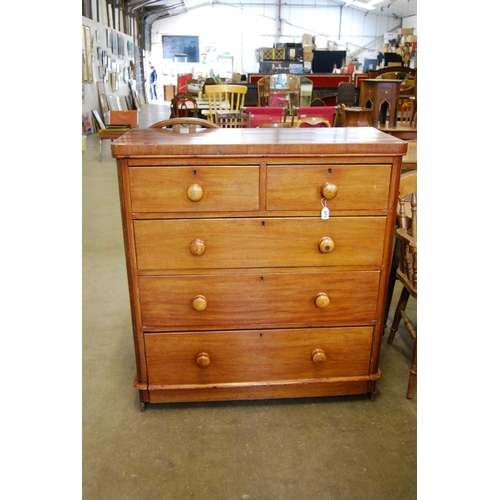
point(195, 192)
point(200, 302)
point(329, 191)
point(203, 359)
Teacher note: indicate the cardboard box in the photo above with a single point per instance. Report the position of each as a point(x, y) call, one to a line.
point(307, 39)
point(168, 92)
point(308, 48)
point(405, 31)
point(308, 56)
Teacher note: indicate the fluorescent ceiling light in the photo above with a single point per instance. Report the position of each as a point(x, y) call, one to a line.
point(362, 4)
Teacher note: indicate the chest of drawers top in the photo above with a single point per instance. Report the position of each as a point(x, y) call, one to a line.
point(333, 141)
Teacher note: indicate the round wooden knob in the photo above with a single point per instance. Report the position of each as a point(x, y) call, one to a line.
point(329, 191)
point(200, 303)
point(195, 192)
point(203, 359)
point(318, 356)
point(326, 245)
point(322, 300)
point(197, 247)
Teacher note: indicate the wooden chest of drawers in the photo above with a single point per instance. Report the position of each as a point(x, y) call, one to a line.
point(238, 288)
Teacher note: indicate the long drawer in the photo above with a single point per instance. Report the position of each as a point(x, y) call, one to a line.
point(255, 243)
point(194, 189)
point(358, 187)
point(261, 355)
point(258, 300)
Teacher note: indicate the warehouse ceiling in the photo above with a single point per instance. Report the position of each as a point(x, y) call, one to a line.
point(397, 9)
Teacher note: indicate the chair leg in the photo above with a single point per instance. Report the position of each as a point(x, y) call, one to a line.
point(413, 368)
point(396, 257)
point(403, 300)
point(413, 373)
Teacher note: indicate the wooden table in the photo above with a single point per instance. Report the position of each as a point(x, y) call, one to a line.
point(405, 132)
point(377, 91)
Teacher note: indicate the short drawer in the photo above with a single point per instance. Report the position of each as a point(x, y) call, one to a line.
point(258, 300)
point(255, 356)
point(194, 189)
point(355, 187)
point(253, 243)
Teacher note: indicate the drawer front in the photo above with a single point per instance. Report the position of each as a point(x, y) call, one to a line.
point(358, 187)
point(252, 243)
point(258, 300)
point(194, 189)
point(255, 356)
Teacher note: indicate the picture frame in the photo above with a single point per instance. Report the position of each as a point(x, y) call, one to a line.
point(86, 124)
point(103, 102)
point(113, 80)
point(114, 42)
point(109, 38)
point(113, 105)
point(124, 103)
point(98, 119)
point(87, 76)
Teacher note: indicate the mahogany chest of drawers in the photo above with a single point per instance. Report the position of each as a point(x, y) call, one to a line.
point(241, 287)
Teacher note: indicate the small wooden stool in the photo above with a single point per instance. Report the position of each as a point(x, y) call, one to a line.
point(357, 117)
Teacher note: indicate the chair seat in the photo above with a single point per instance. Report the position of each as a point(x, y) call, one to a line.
point(112, 133)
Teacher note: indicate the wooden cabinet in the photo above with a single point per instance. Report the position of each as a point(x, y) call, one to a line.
point(381, 95)
point(238, 288)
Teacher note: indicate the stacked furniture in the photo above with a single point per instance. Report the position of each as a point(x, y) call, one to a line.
point(257, 261)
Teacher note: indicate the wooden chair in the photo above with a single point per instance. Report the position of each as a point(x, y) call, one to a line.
point(313, 121)
point(206, 83)
point(407, 114)
point(179, 106)
point(276, 125)
point(346, 95)
point(225, 99)
point(231, 120)
point(306, 91)
point(294, 93)
point(190, 124)
point(406, 273)
point(318, 102)
point(120, 122)
point(259, 115)
point(263, 90)
point(327, 112)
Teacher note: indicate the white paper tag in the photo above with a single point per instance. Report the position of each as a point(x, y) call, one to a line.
point(325, 213)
